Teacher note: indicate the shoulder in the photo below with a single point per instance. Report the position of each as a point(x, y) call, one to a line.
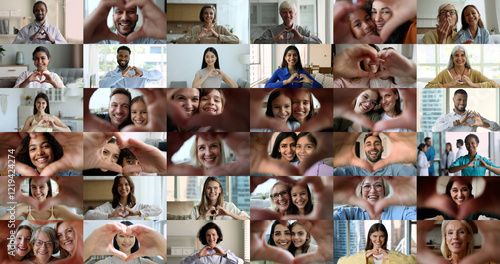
point(354, 259)
point(430, 37)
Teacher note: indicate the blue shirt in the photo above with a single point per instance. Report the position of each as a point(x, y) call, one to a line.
point(473, 171)
point(282, 74)
point(115, 79)
point(391, 170)
point(389, 213)
point(430, 153)
point(482, 37)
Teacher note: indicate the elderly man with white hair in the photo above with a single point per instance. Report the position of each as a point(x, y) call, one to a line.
point(288, 32)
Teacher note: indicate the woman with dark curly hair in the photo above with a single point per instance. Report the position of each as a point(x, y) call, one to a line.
point(472, 164)
point(210, 235)
point(40, 151)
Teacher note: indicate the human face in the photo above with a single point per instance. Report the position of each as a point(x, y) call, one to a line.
point(459, 58)
point(40, 152)
point(119, 108)
point(460, 101)
point(291, 58)
point(299, 196)
point(471, 145)
point(361, 24)
point(208, 152)
point(304, 148)
point(208, 15)
point(448, 147)
point(372, 189)
point(212, 191)
point(459, 192)
point(130, 162)
point(281, 106)
point(373, 149)
point(301, 106)
point(123, 187)
point(378, 239)
point(212, 237)
point(371, 66)
point(66, 236)
point(288, 15)
point(388, 100)
point(282, 237)
point(123, 57)
point(125, 19)
point(366, 101)
point(472, 16)
point(139, 113)
point(111, 153)
point(125, 243)
point(287, 149)
point(448, 13)
point(381, 13)
point(43, 248)
point(210, 59)
point(22, 244)
point(41, 61)
point(188, 99)
point(211, 104)
point(280, 197)
point(39, 192)
point(457, 237)
point(428, 142)
point(41, 104)
point(299, 235)
point(40, 11)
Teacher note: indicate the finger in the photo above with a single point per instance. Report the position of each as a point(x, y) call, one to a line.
point(356, 118)
point(479, 257)
point(25, 170)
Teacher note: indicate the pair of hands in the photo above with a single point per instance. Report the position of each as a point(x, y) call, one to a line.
point(215, 73)
point(347, 63)
point(281, 35)
point(123, 212)
point(298, 78)
point(204, 252)
point(154, 23)
point(39, 33)
point(476, 117)
point(208, 33)
point(100, 241)
point(460, 80)
point(238, 142)
point(402, 11)
point(215, 211)
point(378, 252)
point(126, 73)
point(150, 158)
point(405, 193)
point(155, 103)
point(402, 150)
point(342, 101)
point(42, 77)
point(45, 123)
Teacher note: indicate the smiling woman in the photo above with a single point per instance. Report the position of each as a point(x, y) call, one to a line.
point(42, 120)
point(41, 78)
point(210, 75)
point(45, 244)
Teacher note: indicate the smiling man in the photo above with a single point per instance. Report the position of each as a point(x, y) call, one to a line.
point(40, 31)
point(462, 120)
point(373, 151)
point(126, 76)
point(288, 32)
point(118, 108)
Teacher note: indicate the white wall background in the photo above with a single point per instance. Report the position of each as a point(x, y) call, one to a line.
point(9, 120)
point(61, 55)
point(189, 57)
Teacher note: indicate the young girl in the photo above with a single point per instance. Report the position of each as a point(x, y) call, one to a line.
point(361, 23)
point(301, 240)
point(364, 104)
point(472, 27)
point(139, 111)
point(305, 145)
point(110, 152)
point(128, 158)
point(212, 102)
point(301, 200)
point(279, 106)
point(302, 107)
point(210, 75)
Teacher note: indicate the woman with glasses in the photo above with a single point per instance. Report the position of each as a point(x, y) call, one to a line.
point(446, 30)
point(365, 104)
point(280, 198)
point(45, 244)
point(374, 189)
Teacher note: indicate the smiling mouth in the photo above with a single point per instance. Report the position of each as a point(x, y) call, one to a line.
point(379, 26)
point(373, 197)
point(283, 116)
point(302, 156)
point(300, 203)
point(369, 33)
point(364, 108)
point(456, 244)
point(210, 110)
point(139, 121)
point(283, 203)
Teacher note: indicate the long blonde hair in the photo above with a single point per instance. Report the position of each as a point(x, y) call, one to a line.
point(204, 204)
point(444, 248)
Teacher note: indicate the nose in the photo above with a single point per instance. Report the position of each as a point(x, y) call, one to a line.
point(378, 17)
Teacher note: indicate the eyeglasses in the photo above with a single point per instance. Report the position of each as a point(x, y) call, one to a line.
point(451, 12)
point(368, 187)
point(275, 196)
point(366, 99)
point(47, 244)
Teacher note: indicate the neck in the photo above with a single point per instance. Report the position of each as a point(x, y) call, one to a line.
point(301, 121)
point(208, 25)
point(41, 113)
point(302, 211)
point(128, 252)
point(41, 70)
point(472, 154)
point(123, 200)
point(458, 111)
point(210, 67)
point(455, 258)
point(473, 30)
point(40, 22)
point(292, 68)
point(123, 68)
point(391, 113)
point(288, 26)
point(213, 203)
point(459, 69)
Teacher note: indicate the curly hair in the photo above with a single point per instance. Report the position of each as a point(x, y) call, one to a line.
point(23, 154)
point(203, 230)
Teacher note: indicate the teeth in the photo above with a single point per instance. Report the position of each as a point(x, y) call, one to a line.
point(210, 159)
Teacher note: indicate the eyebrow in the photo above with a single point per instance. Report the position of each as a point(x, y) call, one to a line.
point(40, 143)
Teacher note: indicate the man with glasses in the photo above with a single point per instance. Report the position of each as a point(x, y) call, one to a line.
point(444, 33)
point(373, 152)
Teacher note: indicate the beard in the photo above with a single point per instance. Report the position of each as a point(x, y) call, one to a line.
point(39, 18)
point(376, 158)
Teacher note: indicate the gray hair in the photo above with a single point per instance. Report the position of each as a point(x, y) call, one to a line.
point(50, 232)
point(286, 5)
point(451, 63)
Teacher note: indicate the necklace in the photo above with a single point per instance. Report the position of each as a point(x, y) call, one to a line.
point(460, 75)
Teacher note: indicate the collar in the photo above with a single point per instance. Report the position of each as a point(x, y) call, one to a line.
point(293, 26)
point(455, 113)
point(44, 25)
point(118, 69)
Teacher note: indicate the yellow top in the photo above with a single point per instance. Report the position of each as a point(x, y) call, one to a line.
point(431, 37)
point(40, 128)
point(475, 76)
point(30, 217)
point(394, 257)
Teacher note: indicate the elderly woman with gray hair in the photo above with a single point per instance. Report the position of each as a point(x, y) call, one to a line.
point(209, 32)
point(459, 73)
point(44, 243)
